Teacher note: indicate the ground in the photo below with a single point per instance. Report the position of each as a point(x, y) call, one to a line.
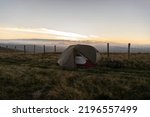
point(29, 76)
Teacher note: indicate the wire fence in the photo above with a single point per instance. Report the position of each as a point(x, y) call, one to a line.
point(107, 48)
point(34, 48)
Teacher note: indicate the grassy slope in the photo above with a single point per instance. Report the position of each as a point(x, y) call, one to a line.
point(39, 77)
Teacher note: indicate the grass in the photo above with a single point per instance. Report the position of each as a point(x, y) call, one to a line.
point(28, 76)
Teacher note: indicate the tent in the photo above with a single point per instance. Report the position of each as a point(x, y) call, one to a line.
point(79, 56)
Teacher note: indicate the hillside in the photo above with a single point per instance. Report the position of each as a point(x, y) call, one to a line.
point(4, 50)
point(29, 76)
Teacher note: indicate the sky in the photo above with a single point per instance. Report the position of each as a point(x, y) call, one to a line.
point(119, 21)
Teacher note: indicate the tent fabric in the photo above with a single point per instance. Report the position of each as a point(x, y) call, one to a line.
point(67, 58)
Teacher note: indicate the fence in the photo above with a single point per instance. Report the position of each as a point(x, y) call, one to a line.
point(44, 49)
point(32, 48)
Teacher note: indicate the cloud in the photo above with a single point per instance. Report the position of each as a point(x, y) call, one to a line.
point(50, 32)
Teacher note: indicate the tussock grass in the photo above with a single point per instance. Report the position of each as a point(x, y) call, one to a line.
point(28, 76)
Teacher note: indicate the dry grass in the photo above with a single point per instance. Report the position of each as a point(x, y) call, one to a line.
point(39, 77)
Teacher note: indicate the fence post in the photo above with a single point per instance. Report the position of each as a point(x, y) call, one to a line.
point(15, 48)
point(24, 49)
point(33, 49)
point(129, 47)
point(44, 49)
point(55, 48)
point(107, 50)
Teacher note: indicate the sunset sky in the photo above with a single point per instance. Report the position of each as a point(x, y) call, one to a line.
point(119, 21)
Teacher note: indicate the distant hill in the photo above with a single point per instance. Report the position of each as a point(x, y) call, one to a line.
point(8, 50)
point(5, 49)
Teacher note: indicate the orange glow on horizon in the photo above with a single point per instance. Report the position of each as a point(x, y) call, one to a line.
point(128, 40)
point(42, 33)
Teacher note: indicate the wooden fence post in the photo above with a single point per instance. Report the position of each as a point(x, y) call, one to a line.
point(15, 48)
point(33, 49)
point(129, 47)
point(55, 48)
point(107, 50)
point(44, 49)
point(24, 49)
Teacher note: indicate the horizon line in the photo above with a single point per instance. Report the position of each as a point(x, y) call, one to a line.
point(95, 41)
